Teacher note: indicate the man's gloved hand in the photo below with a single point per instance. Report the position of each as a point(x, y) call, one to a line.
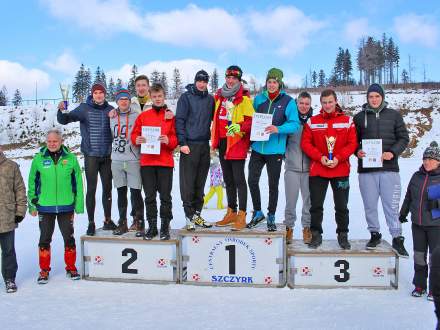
point(233, 128)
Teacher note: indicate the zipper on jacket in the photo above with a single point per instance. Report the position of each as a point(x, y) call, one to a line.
point(56, 185)
point(421, 199)
point(268, 111)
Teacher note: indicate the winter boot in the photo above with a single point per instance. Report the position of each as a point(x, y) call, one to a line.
point(190, 226)
point(199, 221)
point(399, 248)
point(375, 240)
point(228, 219)
point(133, 225)
point(91, 229)
point(271, 226)
point(430, 297)
point(109, 225)
point(240, 221)
point(152, 229)
point(418, 292)
point(165, 229)
point(307, 235)
point(10, 286)
point(122, 227)
point(140, 228)
point(257, 217)
point(343, 241)
point(289, 235)
point(316, 240)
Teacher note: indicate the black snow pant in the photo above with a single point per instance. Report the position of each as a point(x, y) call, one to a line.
point(157, 179)
point(137, 204)
point(273, 166)
point(234, 178)
point(318, 188)
point(102, 166)
point(424, 239)
point(193, 172)
point(9, 258)
point(47, 227)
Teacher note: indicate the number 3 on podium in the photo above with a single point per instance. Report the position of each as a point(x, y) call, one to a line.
point(343, 275)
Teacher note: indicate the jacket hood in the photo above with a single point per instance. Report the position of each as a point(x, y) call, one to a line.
point(193, 90)
point(94, 105)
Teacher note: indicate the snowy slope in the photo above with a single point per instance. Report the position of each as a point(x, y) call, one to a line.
point(86, 305)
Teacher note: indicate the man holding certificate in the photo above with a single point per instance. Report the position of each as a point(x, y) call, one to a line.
point(276, 116)
point(329, 139)
point(382, 137)
point(157, 137)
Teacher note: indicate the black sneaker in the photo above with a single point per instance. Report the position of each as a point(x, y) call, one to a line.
point(73, 275)
point(271, 226)
point(399, 248)
point(165, 229)
point(122, 228)
point(43, 277)
point(343, 241)
point(10, 286)
point(140, 228)
point(91, 229)
point(316, 240)
point(418, 292)
point(152, 230)
point(257, 217)
point(375, 240)
point(109, 225)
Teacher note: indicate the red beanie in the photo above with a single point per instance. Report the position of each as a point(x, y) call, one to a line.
point(98, 87)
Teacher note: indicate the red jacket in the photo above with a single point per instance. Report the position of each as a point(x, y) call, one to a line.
point(237, 145)
point(153, 117)
point(314, 144)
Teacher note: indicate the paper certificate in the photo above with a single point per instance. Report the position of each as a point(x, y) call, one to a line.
point(373, 153)
point(260, 121)
point(151, 134)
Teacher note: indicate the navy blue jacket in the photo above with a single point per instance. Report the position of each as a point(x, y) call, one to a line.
point(194, 113)
point(96, 137)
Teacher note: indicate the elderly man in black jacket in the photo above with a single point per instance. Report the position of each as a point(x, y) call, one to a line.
point(377, 121)
point(194, 113)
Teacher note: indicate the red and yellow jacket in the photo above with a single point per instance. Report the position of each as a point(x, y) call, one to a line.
point(237, 145)
point(314, 144)
point(153, 117)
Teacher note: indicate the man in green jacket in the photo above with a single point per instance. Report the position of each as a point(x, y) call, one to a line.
point(55, 192)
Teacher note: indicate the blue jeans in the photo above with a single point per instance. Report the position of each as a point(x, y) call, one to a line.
point(9, 259)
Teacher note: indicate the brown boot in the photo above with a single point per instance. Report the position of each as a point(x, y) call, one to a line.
point(240, 221)
point(228, 219)
point(289, 235)
point(133, 225)
point(307, 235)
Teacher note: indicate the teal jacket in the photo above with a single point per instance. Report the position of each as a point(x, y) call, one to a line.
point(285, 118)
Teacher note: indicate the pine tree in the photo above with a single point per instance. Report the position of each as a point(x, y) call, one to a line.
point(314, 78)
point(155, 77)
point(17, 100)
point(177, 87)
point(321, 78)
point(98, 76)
point(347, 67)
point(103, 79)
point(81, 85)
point(119, 85)
point(87, 85)
point(214, 81)
point(3, 96)
point(164, 82)
point(111, 90)
point(131, 82)
point(405, 77)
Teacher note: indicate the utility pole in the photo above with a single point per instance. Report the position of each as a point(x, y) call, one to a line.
point(36, 93)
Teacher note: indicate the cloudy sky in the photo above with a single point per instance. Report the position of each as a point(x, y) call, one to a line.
point(45, 41)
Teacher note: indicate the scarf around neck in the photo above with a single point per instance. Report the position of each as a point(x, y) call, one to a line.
point(229, 92)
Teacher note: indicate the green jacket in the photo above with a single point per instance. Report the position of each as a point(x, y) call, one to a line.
point(55, 188)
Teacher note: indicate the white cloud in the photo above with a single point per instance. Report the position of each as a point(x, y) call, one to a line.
point(211, 28)
point(64, 63)
point(288, 27)
point(417, 29)
point(356, 29)
point(14, 75)
point(187, 68)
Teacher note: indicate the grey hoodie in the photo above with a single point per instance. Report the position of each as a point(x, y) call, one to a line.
point(122, 149)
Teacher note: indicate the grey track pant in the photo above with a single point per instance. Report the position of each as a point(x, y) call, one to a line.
point(294, 183)
point(385, 185)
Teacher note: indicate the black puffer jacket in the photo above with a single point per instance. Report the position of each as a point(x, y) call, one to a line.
point(194, 113)
point(416, 198)
point(387, 125)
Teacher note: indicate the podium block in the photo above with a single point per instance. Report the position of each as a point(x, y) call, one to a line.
point(331, 267)
point(221, 257)
point(127, 258)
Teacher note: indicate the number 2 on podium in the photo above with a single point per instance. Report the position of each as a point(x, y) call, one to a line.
point(132, 259)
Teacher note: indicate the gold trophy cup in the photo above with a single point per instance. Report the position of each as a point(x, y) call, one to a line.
point(331, 140)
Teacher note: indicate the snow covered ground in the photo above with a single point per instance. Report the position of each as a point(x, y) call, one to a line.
point(95, 305)
point(86, 305)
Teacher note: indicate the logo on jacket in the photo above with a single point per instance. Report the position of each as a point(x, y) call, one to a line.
point(47, 163)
